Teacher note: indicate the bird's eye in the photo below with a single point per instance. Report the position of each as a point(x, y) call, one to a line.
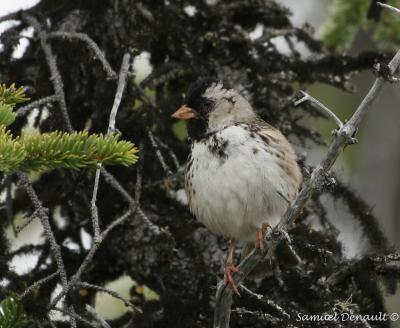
point(207, 105)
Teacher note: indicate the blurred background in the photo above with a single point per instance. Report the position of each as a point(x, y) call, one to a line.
point(372, 167)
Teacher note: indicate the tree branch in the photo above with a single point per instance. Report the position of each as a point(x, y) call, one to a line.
point(160, 158)
point(92, 45)
point(318, 104)
point(384, 5)
point(36, 103)
point(97, 316)
point(42, 213)
point(109, 292)
point(56, 79)
point(10, 16)
point(379, 264)
point(98, 236)
point(75, 316)
point(123, 74)
point(38, 283)
point(111, 126)
point(110, 179)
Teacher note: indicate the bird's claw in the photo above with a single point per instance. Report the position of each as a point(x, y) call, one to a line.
point(260, 236)
point(228, 279)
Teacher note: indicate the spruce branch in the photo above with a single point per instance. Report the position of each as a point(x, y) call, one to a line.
point(12, 314)
point(75, 150)
point(12, 95)
point(7, 116)
point(63, 150)
point(9, 97)
point(12, 153)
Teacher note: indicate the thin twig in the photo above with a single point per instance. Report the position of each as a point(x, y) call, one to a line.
point(133, 209)
point(110, 179)
point(118, 221)
point(111, 126)
point(86, 261)
point(75, 316)
point(380, 264)
point(384, 5)
point(274, 321)
point(267, 301)
point(52, 324)
point(93, 206)
point(128, 324)
point(99, 237)
point(42, 213)
point(315, 102)
point(20, 111)
point(9, 205)
point(109, 292)
point(38, 283)
point(159, 155)
point(10, 16)
point(97, 316)
point(28, 221)
point(171, 153)
point(250, 292)
point(55, 249)
point(123, 74)
point(56, 79)
point(343, 137)
point(92, 45)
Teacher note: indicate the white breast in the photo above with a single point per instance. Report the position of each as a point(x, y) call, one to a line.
point(235, 183)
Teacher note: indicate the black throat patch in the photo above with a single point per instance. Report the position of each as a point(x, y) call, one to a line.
point(218, 147)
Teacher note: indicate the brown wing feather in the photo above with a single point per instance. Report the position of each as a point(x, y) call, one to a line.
point(283, 150)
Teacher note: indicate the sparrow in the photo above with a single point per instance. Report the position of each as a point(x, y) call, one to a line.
point(241, 173)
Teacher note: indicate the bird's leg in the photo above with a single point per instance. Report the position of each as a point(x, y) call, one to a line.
point(260, 236)
point(230, 268)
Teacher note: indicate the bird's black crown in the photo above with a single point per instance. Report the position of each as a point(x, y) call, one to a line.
point(202, 105)
point(194, 96)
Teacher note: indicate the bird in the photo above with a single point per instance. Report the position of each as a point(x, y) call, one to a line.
point(242, 173)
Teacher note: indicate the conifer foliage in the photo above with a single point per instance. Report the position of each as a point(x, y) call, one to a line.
point(38, 151)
